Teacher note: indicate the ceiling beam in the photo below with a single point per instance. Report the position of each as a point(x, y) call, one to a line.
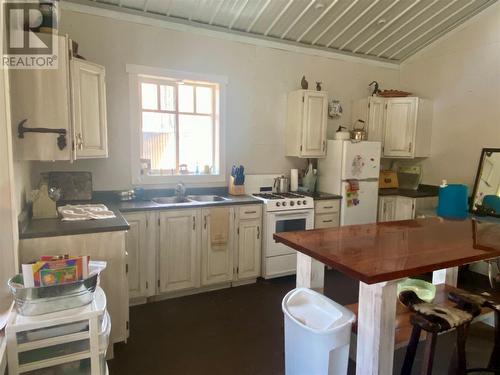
point(353, 22)
point(167, 8)
point(354, 2)
point(432, 28)
point(419, 26)
point(258, 15)
point(238, 14)
point(311, 2)
point(145, 6)
point(369, 24)
point(401, 26)
point(278, 17)
point(318, 19)
point(195, 11)
point(216, 12)
point(386, 26)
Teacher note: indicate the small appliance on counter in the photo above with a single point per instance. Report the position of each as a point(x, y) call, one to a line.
point(409, 176)
point(388, 180)
point(358, 132)
point(126, 195)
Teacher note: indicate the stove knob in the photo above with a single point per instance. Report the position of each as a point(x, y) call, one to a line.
point(284, 204)
point(292, 203)
point(278, 204)
point(299, 202)
point(304, 201)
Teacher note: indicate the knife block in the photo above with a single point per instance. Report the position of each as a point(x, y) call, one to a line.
point(235, 189)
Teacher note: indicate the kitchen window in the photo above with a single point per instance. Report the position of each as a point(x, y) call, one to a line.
point(176, 127)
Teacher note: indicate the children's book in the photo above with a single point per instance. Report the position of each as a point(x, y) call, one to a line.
point(55, 270)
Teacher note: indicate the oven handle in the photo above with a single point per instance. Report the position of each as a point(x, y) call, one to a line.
point(294, 213)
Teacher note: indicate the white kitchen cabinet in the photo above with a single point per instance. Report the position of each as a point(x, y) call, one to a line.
point(405, 208)
point(69, 99)
point(393, 208)
point(88, 91)
point(326, 213)
point(403, 125)
point(386, 208)
point(141, 254)
point(217, 245)
point(249, 250)
point(306, 124)
point(371, 110)
point(179, 254)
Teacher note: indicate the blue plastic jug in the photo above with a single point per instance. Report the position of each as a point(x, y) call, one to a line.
point(452, 202)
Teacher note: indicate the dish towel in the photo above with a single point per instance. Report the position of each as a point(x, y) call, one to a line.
point(219, 228)
point(85, 212)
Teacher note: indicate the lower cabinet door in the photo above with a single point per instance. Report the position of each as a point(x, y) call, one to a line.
point(217, 245)
point(405, 208)
point(249, 248)
point(135, 245)
point(179, 250)
point(387, 208)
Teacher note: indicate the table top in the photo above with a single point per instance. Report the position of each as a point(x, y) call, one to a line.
point(380, 252)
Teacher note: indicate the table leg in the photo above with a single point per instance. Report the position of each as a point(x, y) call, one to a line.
point(448, 276)
point(376, 328)
point(310, 273)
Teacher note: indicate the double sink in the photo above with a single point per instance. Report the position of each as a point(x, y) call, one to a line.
point(190, 199)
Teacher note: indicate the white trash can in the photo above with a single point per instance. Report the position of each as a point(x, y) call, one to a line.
point(317, 334)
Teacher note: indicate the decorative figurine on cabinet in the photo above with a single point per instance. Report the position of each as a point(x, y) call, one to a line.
point(303, 83)
point(318, 86)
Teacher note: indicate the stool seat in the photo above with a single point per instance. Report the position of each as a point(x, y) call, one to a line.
point(435, 319)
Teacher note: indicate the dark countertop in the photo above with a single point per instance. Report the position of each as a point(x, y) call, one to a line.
point(374, 253)
point(36, 228)
point(423, 191)
point(319, 196)
point(147, 205)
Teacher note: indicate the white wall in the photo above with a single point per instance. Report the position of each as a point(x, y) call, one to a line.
point(259, 79)
point(461, 73)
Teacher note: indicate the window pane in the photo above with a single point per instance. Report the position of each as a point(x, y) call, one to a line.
point(186, 99)
point(149, 93)
point(204, 100)
point(167, 98)
point(195, 142)
point(154, 122)
point(158, 141)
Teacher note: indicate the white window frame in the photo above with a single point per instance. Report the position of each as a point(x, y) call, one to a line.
point(136, 72)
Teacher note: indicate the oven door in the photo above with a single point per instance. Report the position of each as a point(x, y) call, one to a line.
point(285, 221)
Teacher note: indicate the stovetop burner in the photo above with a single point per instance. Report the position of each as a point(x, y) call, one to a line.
point(291, 195)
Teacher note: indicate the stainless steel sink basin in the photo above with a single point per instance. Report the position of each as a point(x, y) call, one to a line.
point(171, 200)
point(207, 198)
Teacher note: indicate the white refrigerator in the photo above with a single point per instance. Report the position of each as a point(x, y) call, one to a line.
point(351, 169)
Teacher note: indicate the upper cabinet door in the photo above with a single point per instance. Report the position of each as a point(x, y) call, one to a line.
point(314, 123)
point(375, 126)
point(400, 125)
point(89, 109)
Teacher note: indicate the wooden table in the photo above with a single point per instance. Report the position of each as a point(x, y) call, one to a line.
point(379, 255)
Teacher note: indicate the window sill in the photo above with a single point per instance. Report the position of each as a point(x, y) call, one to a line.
point(198, 180)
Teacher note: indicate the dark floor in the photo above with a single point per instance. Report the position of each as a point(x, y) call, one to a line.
point(240, 331)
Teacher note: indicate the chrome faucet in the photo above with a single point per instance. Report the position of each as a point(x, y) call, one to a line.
point(180, 191)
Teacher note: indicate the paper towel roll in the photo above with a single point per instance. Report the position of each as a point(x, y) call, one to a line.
point(294, 179)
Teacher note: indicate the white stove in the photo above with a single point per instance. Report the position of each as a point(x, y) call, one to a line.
point(284, 201)
point(283, 212)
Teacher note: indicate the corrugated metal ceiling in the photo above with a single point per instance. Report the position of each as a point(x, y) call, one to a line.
point(390, 30)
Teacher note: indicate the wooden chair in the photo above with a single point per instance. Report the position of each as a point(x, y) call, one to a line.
point(433, 320)
point(484, 300)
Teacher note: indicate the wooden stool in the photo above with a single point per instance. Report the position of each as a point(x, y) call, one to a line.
point(435, 319)
point(464, 299)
